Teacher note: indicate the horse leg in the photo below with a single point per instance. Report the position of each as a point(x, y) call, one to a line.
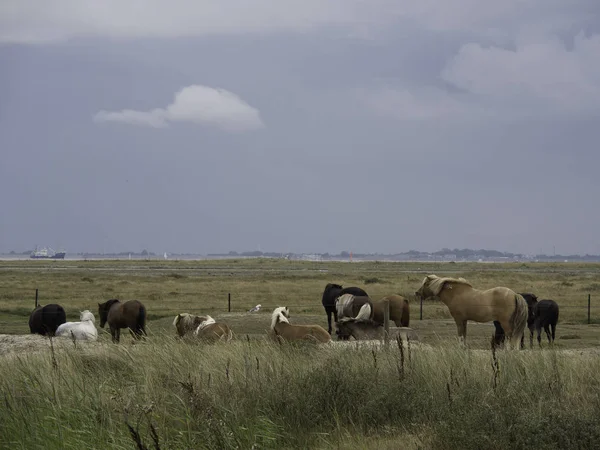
point(553, 331)
point(531, 336)
point(461, 326)
point(329, 321)
point(547, 330)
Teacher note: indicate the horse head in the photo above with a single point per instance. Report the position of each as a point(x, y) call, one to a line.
point(103, 309)
point(87, 316)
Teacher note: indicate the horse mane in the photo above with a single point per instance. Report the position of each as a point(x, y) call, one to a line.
point(108, 303)
point(341, 302)
point(436, 283)
point(87, 315)
point(364, 313)
point(279, 315)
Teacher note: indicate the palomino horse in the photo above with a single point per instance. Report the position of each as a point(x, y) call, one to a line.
point(331, 293)
point(210, 330)
point(131, 314)
point(186, 323)
point(466, 303)
point(84, 330)
point(283, 330)
point(499, 335)
point(399, 310)
point(366, 329)
point(45, 320)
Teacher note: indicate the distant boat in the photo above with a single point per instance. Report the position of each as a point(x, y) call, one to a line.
point(47, 253)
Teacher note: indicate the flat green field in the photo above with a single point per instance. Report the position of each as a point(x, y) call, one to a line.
point(170, 287)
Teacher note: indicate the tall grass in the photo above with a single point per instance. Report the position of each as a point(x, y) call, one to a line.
point(165, 393)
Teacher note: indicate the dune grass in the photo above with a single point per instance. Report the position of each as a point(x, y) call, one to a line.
point(257, 394)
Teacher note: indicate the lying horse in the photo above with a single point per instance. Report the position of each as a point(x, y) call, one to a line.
point(366, 329)
point(466, 303)
point(210, 330)
point(45, 320)
point(82, 330)
point(331, 293)
point(283, 330)
point(186, 323)
point(545, 314)
point(131, 314)
point(499, 335)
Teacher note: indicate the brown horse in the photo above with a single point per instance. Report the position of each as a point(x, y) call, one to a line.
point(399, 310)
point(131, 314)
point(211, 331)
point(466, 303)
point(284, 331)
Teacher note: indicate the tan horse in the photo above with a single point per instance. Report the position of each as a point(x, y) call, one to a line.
point(282, 330)
point(210, 330)
point(186, 323)
point(399, 310)
point(466, 303)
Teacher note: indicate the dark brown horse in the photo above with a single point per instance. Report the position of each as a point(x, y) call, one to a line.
point(45, 320)
point(131, 314)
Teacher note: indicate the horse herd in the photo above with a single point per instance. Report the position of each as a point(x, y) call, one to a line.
point(355, 315)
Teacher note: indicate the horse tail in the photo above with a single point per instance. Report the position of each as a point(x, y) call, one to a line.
point(405, 319)
point(518, 320)
point(141, 320)
point(364, 313)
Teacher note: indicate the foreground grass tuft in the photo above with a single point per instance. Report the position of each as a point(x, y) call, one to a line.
point(165, 394)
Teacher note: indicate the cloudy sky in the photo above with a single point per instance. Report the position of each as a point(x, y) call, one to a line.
point(300, 125)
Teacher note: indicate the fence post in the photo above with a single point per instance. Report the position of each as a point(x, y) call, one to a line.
point(229, 302)
point(36, 297)
point(589, 308)
point(421, 311)
point(386, 321)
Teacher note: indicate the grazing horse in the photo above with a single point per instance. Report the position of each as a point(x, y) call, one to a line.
point(45, 320)
point(210, 330)
point(545, 314)
point(466, 303)
point(399, 310)
point(283, 330)
point(131, 314)
point(366, 329)
point(499, 335)
point(331, 293)
point(187, 323)
point(82, 330)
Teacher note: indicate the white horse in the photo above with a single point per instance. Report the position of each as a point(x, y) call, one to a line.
point(85, 330)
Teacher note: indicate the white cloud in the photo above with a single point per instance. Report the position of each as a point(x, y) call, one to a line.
point(197, 104)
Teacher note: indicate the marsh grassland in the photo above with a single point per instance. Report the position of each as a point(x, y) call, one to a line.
point(251, 393)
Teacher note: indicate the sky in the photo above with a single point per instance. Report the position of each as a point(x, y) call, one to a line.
point(300, 125)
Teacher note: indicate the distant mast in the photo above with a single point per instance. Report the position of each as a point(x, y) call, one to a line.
point(165, 255)
point(350, 256)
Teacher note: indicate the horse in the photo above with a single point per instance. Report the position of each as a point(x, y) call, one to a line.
point(466, 303)
point(210, 330)
point(187, 323)
point(331, 293)
point(367, 329)
point(131, 314)
point(354, 306)
point(283, 330)
point(545, 314)
point(399, 310)
point(82, 330)
point(45, 320)
point(499, 335)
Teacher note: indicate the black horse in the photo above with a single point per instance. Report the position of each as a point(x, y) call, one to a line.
point(45, 320)
point(333, 291)
point(499, 335)
point(545, 314)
